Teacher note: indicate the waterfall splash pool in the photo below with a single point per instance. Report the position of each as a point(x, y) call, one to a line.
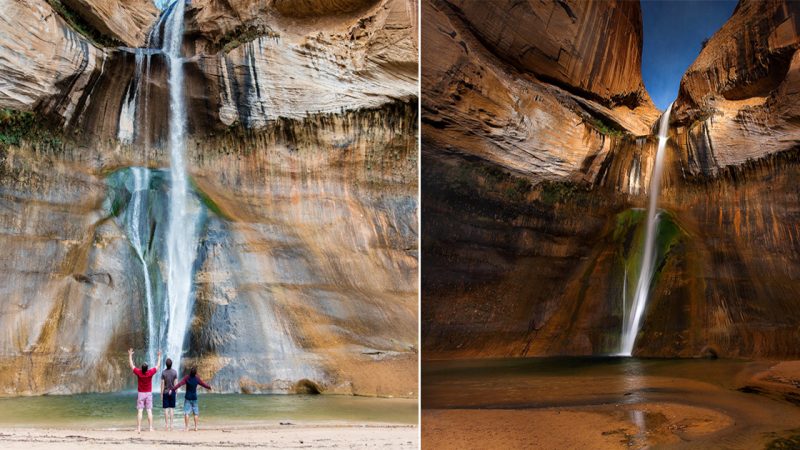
point(118, 410)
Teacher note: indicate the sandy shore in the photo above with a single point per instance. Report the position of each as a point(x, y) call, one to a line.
point(600, 428)
point(267, 435)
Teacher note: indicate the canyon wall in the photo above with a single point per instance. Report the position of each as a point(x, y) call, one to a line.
point(302, 154)
point(536, 165)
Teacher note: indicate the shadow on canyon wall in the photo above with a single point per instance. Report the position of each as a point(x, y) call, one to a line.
point(537, 149)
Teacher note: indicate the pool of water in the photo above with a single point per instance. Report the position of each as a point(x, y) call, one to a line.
point(563, 381)
point(611, 385)
point(118, 409)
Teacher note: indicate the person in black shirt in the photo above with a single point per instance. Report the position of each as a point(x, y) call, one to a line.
point(168, 395)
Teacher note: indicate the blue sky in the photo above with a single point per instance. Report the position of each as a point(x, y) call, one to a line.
point(673, 33)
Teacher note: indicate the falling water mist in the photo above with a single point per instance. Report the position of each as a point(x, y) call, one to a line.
point(138, 230)
point(632, 317)
point(182, 227)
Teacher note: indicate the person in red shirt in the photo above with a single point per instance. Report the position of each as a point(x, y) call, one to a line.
point(144, 396)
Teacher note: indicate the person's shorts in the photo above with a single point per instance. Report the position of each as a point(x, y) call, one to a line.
point(168, 400)
point(190, 406)
point(144, 400)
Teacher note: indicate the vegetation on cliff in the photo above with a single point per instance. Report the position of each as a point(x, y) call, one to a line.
point(242, 35)
point(629, 236)
point(19, 126)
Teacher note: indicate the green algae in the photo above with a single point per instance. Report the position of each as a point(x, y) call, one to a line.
point(629, 237)
point(208, 202)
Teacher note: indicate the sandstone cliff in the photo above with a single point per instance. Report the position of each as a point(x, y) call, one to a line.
point(302, 154)
point(125, 21)
point(487, 97)
point(532, 217)
point(739, 99)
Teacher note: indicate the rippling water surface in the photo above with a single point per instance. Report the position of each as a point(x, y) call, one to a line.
point(119, 409)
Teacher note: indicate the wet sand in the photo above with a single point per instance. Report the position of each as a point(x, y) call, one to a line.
point(566, 428)
point(608, 404)
point(254, 435)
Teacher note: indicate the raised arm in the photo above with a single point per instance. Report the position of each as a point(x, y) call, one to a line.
point(130, 358)
point(203, 383)
point(158, 361)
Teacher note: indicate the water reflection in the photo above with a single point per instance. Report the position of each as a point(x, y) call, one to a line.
point(633, 382)
point(687, 400)
point(637, 417)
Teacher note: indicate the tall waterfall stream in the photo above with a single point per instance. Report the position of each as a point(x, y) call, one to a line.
point(632, 318)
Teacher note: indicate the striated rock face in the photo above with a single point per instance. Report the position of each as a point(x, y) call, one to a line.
point(478, 105)
point(306, 8)
point(41, 58)
point(593, 47)
point(739, 98)
point(363, 64)
point(126, 21)
point(506, 137)
point(307, 262)
point(532, 242)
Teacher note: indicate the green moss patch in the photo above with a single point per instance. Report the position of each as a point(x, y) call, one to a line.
point(18, 126)
point(629, 238)
point(242, 35)
point(605, 128)
point(208, 202)
point(552, 192)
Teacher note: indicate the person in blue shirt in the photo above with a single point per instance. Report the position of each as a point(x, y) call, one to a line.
point(190, 400)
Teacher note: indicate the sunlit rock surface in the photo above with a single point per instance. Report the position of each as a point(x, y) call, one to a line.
point(533, 219)
point(496, 106)
point(307, 260)
point(739, 99)
point(42, 59)
point(127, 21)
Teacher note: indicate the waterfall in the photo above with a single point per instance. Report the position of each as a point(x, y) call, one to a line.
point(633, 318)
point(138, 230)
point(162, 4)
point(127, 115)
point(181, 232)
point(167, 318)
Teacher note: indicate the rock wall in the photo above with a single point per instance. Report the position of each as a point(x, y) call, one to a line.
point(477, 105)
point(739, 98)
point(593, 47)
point(42, 58)
point(532, 232)
point(125, 21)
point(307, 259)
